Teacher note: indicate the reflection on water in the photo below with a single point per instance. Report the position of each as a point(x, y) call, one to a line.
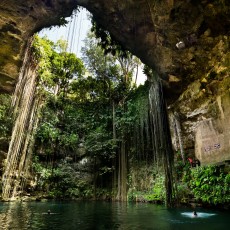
point(105, 216)
point(14, 216)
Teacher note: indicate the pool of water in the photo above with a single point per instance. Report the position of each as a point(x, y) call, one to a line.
point(106, 216)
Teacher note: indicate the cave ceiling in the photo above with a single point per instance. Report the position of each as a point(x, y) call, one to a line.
point(180, 39)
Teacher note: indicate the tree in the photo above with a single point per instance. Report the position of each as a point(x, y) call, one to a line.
point(57, 69)
point(92, 109)
point(116, 72)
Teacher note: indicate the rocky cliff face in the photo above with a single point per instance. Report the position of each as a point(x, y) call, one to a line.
point(204, 119)
point(180, 39)
point(18, 21)
point(185, 41)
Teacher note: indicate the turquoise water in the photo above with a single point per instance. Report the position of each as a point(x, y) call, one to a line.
point(105, 215)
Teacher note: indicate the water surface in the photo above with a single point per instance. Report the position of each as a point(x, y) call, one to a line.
point(106, 216)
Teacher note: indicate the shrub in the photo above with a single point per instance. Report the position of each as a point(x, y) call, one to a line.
point(158, 191)
point(211, 185)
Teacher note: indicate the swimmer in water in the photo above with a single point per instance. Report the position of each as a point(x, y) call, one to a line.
point(194, 214)
point(48, 211)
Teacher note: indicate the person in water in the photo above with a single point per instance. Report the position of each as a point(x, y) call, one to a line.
point(194, 214)
point(48, 211)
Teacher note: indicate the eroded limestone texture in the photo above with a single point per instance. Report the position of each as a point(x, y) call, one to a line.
point(213, 135)
point(150, 29)
point(18, 21)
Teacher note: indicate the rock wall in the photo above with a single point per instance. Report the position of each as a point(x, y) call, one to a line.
point(19, 20)
point(213, 135)
point(175, 37)
point(204, 119)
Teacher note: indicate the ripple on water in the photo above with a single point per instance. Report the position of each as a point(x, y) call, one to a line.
point(199, 214)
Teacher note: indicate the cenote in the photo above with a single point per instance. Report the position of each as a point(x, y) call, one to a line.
point(141, 116)
point(106, 215)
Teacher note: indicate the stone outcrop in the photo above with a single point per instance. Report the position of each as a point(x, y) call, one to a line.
point(180, 39)
point(19, 20)
point(185, 41)
point(205, 123)
point(175, 37)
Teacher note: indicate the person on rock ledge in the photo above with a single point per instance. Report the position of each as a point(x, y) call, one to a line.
point(193, 163)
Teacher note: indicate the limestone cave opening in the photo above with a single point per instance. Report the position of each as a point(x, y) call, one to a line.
point(29, 147)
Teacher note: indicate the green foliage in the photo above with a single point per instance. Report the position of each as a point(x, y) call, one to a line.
point(183, 192)
point(115, 72)
point(80, 114)
point(135, 196)
point(158, 191)
point(107, 42)
point(58, 129)
point(56, 67)
point(102, 193)
point(211, 185)
point(153, 191)
point(182, 170)
point(97, 63)
point(136, 108)
point(62, 21)
point(99, 143)
point(5, 119)
point(62, 182)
